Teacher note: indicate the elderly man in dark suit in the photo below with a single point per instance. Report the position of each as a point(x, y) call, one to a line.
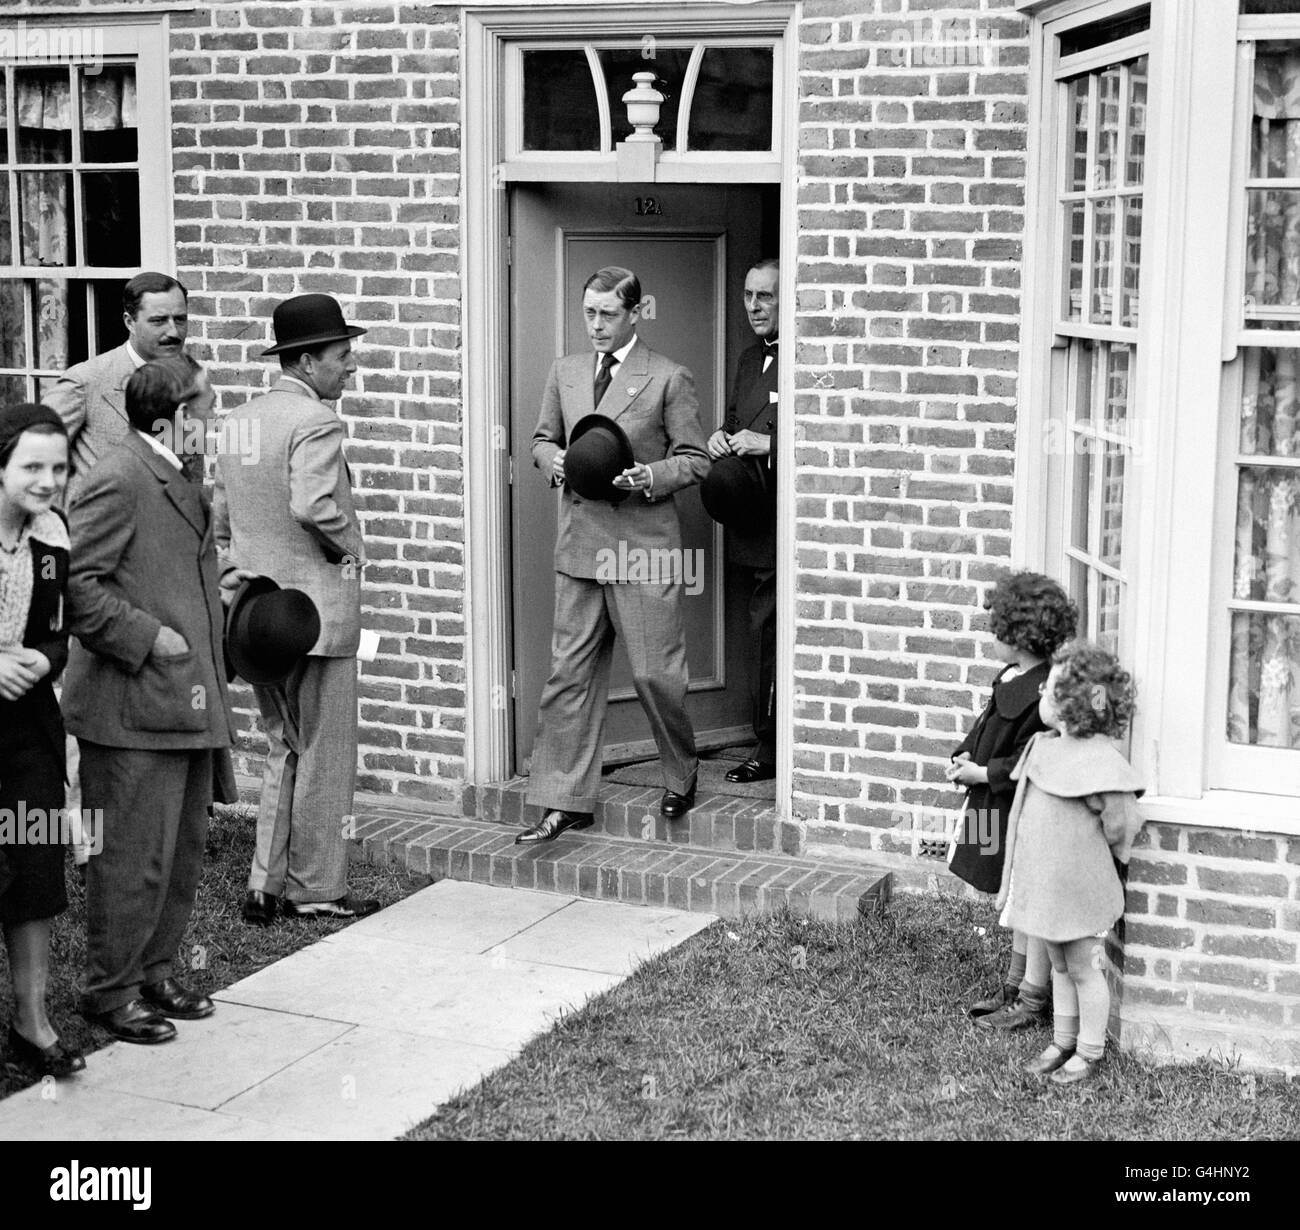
point(90, 397)
point(748, 432)
point(288, 514)
point(653, 400)
point(145, 696)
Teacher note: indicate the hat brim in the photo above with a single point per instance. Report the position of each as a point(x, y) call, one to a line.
point(602, 422)
point(240, 663)
point(318, 339)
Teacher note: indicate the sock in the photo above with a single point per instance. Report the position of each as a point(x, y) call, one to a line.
point(1016, 974)
point(1089, 1050)
point(1065, 1031)
point(1034, 998)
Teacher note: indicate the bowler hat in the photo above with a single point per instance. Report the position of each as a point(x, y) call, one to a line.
point(738, 492)
point(598, 452)
point(308, 320)
point(268, 631)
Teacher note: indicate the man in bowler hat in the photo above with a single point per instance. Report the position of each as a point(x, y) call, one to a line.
point(145, 695)
point(288, 514)
point(652, 399)
point(748, 432)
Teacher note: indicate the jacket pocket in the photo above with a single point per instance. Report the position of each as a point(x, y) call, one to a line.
point(167, 694)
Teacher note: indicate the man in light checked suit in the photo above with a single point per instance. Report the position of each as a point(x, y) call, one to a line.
point(287, 513)
point(653, 401)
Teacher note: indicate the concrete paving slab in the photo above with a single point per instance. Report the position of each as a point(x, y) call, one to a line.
point(603, 936)
point(370, 1084)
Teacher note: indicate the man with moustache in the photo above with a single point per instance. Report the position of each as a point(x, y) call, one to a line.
point(90, 397)
point(748, 432)
point(290, 516)
point(652, 400)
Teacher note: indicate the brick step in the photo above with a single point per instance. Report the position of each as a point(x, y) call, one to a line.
point(716, 822)
point(592, 864)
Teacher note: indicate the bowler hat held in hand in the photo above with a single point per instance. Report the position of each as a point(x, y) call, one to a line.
point(269, 630)
point(738, 492)
point(599, 451)
point(309, 320)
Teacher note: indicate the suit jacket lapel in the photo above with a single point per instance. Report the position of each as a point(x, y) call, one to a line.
point(114, 392)
point(632, 376)
point(185, 497)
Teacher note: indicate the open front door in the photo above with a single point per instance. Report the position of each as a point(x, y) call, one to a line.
point(691, 246)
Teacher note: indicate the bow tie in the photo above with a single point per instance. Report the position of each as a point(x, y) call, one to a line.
point(769, 345)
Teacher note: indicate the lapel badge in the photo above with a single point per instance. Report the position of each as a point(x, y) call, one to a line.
point(631, 390)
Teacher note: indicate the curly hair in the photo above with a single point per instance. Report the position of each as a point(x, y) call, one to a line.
point(1094, 694)
point(1031, 612)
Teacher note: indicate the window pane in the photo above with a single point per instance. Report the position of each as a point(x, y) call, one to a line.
point(6, 240)
point(1106, 167)
point(1082, 490)
point(13, 342)
point(560, 110)
point(732, 105)
point(106, 307)
point(669, 66)
point(1085, 362)
point(1103, 245)
point(111, 201)
point(1273, 247)
point(1130, 261)
point(1109, 595)
point(1112, 506)
point(1135, 167)
point(45, 218)
point(60, 324)
point(12, 389)
point(1079, 592)
point(4, 117)
point(1119, 386)
point(1264, 680)
point(1077, 140)
point(43, 100)
point(1074, 232)
point(1270, 403)
point(108, 123)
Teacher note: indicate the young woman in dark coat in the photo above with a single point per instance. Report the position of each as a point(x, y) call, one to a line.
point(33, 651)
point(1031, 617)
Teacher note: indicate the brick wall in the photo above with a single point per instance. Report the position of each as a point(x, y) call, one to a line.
point(1211, 937)
point(316, 148)
point(911, 193)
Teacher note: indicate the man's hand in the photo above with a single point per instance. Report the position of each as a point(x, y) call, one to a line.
point(751, 443)
point(231, 582)
point(557, 467)
point(16, 676)
point(719, 445)
point(634, 478)
point(169, 644)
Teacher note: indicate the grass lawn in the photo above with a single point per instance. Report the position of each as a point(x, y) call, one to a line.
point(787, 1028)
point(219, 947)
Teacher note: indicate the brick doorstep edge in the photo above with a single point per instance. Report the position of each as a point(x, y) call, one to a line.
point(586, 864)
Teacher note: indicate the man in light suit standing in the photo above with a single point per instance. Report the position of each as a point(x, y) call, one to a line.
point(146, 698)
point(90, 397)
point(653, 400)
point(288, 514)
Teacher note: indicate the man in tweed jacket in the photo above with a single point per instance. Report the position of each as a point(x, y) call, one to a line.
point(653, 400)
point(286, 511)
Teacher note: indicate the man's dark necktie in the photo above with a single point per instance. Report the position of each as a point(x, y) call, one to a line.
point(603, 377)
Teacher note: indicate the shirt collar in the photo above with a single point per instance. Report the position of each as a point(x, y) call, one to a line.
point(619, 355)
point(162, 450)
point(303, 385)
point(136, 361)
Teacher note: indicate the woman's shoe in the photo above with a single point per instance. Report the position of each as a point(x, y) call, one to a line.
point(1078, 1076)
point(1051, 1059)
point(53, 1060)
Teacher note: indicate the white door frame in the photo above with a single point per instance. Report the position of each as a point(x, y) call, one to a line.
point(488, 634)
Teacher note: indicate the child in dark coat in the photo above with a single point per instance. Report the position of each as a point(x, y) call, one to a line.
point(1031, 617)
point(1074, 818)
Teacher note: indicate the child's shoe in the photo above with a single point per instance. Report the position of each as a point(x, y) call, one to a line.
point(1051, 1059)
point(1065, 1075)
point(1019, 1015)
point(1002, 998)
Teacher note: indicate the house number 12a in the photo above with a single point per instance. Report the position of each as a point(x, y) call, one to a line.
point(648, 205)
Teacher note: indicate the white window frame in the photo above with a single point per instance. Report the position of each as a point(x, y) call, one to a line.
point(1171, 643)
point(145, 41)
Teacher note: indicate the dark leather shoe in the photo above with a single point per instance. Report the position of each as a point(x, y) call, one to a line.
point(674, 805)
point(751, 771)
point(552, 825)
point(345, 907)
point(1016, 1016)
point(134, 1022)
point(54, 1060)
point(1004, 997)
point(259, 908)
point(1051, 1059)
point(1079, 1076)
point(173, 1000)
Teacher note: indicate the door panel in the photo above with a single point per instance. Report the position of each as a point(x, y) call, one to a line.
point(691, 258)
